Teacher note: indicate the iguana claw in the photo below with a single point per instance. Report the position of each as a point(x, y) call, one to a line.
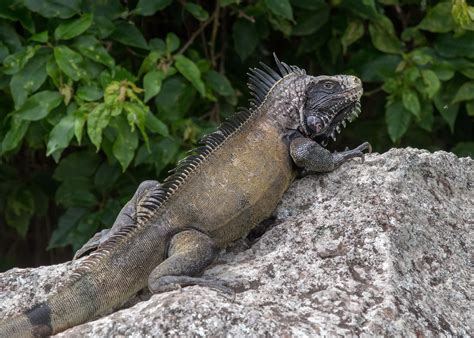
point(343, 156)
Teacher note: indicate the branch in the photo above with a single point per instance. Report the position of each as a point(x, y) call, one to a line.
point(195, 34)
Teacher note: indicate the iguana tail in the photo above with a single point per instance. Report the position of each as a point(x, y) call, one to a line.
point(74, 304)
point(35, 322)
point(104, 280)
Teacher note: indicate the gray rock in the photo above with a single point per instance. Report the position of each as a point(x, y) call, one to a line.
point(380, 248)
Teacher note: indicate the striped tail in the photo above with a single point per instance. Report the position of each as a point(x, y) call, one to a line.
point(76, 303)
point(105, 280)
point(32, 323)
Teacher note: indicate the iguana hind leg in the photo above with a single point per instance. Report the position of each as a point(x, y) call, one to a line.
point(190, 252)
point(125, 217)
point(311, 157)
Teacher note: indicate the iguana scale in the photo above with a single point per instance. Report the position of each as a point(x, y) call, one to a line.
point(168, 233)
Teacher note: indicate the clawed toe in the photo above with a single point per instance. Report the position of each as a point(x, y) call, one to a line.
point(365, 146)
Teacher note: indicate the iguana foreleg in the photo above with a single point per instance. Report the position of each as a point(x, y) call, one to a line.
point(125, 217)
point(311, 157)
point(190, 252)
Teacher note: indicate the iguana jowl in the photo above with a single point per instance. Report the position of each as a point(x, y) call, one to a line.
point(170, 232)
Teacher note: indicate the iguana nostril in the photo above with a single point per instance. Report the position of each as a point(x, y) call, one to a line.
point(314, 123)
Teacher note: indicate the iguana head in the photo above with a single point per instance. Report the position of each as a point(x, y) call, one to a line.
point(330, 102)
point(317, 106)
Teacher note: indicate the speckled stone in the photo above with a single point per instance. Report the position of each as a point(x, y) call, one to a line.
point(380, 248)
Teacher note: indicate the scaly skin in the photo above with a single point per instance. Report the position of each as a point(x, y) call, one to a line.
point(232, 187)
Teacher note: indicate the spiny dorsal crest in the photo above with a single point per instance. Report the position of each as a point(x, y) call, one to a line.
point(262, 81)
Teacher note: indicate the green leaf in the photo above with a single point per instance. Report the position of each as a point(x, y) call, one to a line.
point(19, 210)
point(161, 154)
point(125, 144)
point(172, 42)
point(15, 62)
point(354, 31)
point(3, 52)
point(136, 112)
point(442, 101)
point(76, 191)
point(155, 125)
point(365, 9)
point(70, 62)
point(71, 29)
point(89, 93)
point(79, 122)
point(92, 49)
point(11, 10)
point(36, 136)
point(53, 71)
point(39, 105)
point(219, 83)
point(411, 101)
point(175, 98)
point(102, 27)
point(464, 149)
point(191, 72)
point(29, 79)
point(53, 8)
point(157, 45)
point(460, 45)
point(426, 118)
point(465, 93)
point(61, 135)
point(438, 19)
point(462, 65)
point(443, 70)
point(431, 81)
point(245, 38)
point(197, 11)
point(40, 37)
point(67, 224)
point(280, 24)
point(152, 83)
point(77, 164)
point(373, 66)
point(421, 57)
point(463, 14)
point(149, 62)
point(106, 176)
point(398, 120)
point(311, 21)
point(128, 34)
point(470, 108)
point(97, 121)
point(150, 7)
point(14, 135)
point(280, 8)
point(9, 37)
point(384, 37)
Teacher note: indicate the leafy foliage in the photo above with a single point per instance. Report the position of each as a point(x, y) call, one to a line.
point(100, 95)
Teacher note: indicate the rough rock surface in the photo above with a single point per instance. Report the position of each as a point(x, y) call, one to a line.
point(380, 248)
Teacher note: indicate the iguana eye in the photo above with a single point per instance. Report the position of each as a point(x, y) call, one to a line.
point(328, 85)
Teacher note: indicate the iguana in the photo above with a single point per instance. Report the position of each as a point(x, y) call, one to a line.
point(168, 233)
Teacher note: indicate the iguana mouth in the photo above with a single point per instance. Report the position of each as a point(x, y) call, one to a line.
point(345, 115)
